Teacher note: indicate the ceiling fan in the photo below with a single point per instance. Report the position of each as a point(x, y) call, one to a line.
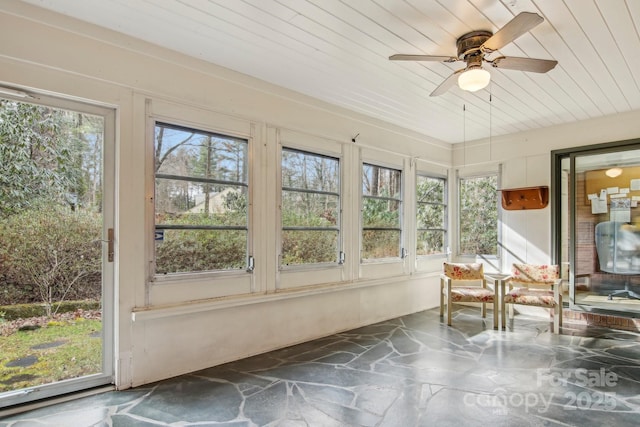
point(473, 48)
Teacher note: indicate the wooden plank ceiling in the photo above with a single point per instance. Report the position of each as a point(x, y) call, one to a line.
point(337, 51)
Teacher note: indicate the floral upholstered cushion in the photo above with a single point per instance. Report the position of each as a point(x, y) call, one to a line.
point(463, 271)
point(464, 294)
point(530, 273)
point(530, 297)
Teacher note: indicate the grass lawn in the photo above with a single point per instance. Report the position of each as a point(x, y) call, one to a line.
point(58, 351)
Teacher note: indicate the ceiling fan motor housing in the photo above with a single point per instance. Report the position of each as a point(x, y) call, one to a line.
point(469, 44)
point(474, 45)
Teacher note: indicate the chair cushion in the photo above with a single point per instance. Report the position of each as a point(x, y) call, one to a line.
point(529, 273)
point(526, 296)
point(470, 294)
point(463, 271)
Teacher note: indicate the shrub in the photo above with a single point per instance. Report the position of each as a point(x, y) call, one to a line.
point(24, 311)
point(55, 250)
point(307, 247)
point(202, 250)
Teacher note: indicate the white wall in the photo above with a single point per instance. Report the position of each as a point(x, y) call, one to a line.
point(525, 160)
point(162, 332)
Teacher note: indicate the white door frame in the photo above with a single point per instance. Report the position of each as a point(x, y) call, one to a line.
point(107, 376)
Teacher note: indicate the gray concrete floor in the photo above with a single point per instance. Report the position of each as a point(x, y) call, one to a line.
point(409, 371)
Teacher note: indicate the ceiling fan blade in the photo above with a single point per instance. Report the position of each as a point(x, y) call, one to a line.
point(524, 64)
point(513, 29)
point(447, 83)
point(402, 57)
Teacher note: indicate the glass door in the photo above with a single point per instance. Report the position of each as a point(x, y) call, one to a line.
point(57, 247)
point(600, 228)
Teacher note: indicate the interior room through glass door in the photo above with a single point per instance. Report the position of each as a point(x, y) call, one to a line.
point(600, 228)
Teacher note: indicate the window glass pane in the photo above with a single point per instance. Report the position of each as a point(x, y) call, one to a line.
point(380, 244)
point(381, 212)
point(431, 215)
point(379, 181)
point(309, 246)
point(431, 242)
point(174, 197)
point(201, 199)
point(310, 208)
point(201, 250)
point(183, 202)
point(309, 171)
point(599, 195)
point(190, 153)
point(430, 189)
point(479, 215)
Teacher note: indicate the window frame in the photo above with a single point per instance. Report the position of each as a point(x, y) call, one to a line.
point(185, 287)
point(445, 214)
point(339, 258)
point(248, 258)
point(298, 276)
point(481, 174)
point(402, 252)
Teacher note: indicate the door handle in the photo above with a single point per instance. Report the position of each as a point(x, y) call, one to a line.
point(110, 245)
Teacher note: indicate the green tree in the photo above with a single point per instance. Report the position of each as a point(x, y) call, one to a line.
point(381, 222)
point(310, 207)
point(430, 215)
point(479, 215)
point(40, 155)
point(50, 199)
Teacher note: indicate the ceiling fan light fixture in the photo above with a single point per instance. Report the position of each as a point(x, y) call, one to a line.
point(474, 79)
point(613, 172)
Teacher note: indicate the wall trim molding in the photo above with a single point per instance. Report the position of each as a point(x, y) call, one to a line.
point(142, 314)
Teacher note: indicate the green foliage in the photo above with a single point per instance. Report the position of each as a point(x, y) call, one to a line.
point(24, 311)
point(380, 213)
point(380, 244)
point(236, 203)
point(42, 155)
point(431, 242)
point(479, 215)
point(381, 191)
point(208, 214)
point(307, 180)
point(292, 218)
point(56, 250)
point(201, 250)
point(309, 246)
point(430, 215)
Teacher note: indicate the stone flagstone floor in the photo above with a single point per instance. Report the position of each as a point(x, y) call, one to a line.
point(409, 371)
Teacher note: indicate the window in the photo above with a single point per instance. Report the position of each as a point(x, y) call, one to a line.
point(431, 215)
point(310, 208)
point(479, 215)
point(381, 212)
point(201, 199)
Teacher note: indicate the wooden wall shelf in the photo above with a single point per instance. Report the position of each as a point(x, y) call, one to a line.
point(514, 199)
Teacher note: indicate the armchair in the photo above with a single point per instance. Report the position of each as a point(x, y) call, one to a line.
point(534, 285)
point(466, 283)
